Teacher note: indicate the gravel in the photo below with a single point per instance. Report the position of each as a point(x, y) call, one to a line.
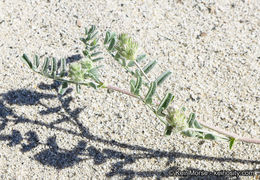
point(212, 49)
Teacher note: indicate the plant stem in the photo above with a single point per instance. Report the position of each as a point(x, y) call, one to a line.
point(138, 97)
point(142, 71)
point(208, 132)
point(229, 134)
point(214, 128)
point(120, 90)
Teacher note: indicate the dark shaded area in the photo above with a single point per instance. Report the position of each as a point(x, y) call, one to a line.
point(54, 156)
point(60, 158)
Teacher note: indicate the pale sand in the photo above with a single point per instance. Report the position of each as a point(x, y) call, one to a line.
point(213, 50)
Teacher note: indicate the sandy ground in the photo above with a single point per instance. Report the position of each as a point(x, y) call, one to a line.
point(212, 48)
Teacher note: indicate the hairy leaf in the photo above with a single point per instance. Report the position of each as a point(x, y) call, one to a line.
point(191, 120)
point(231, 142)
point(188, 133)
point(54, 67)
point(132, 86)
point(90, 37)
point(85, 52)
point(45, 66)
point(210, 137)
point(92, 29)
point(151, 92)
point(86, 31)
point(63, 88)
point(94, 47)
point(168, 130)
point(197, 124)
point(36, 61)
point(91, 84)
point(97, 59)
point(26, 59)
point(112, 44)
point(107, 38)
point(149, 66)
point(63, 67)
point(83, 40)
point(131, 64)
point(141, 57)
point(164, 103)
point(95, 54)
point(78, 88)
point(162, 77)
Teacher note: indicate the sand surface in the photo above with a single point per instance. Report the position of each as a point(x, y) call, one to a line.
point(211, 47)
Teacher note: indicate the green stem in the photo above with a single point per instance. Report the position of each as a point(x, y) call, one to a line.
point(208, 132)
point(142, 71)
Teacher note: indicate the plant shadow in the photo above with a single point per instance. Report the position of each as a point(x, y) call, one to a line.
point(60, 158)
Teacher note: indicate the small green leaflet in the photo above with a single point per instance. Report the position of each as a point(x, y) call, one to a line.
point(63, 67)
point(36, 62)
point(63, 88)
point(162, 78)
point(140, 57)
point(54, 67)
point(168, 130)
point(45, 66)
point(231, 142)
point(112, 44)
point(168, 98)
point(151, 92)
point(26, 59)
point(107, 38)
point(149, 66)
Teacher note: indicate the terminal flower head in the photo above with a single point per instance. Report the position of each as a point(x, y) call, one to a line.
point(126, 47)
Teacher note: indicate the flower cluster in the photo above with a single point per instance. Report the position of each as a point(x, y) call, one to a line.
point(177, 119)
point(126, 47)
point(78, 71)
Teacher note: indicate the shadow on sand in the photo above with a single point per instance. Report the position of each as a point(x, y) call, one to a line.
point(60, 158)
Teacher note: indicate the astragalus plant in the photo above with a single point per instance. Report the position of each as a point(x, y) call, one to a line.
point(124, 50)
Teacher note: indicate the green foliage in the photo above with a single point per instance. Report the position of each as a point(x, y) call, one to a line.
point(91, 44)
point(231, 142)
point(168, 98)
point(124, 51)
point(126, 47)
point(151, 92)
point(162, 77)
point(149, 66)
point(63, 88)
point(136, 85)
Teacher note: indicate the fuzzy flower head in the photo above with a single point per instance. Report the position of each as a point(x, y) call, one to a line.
point(77, 71)
point(127, 47)
point(177, 119)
